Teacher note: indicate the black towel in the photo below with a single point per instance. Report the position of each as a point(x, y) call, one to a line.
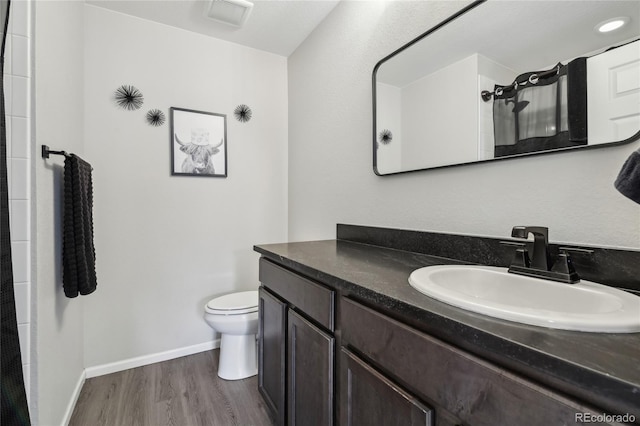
point(628, 181)
point(78, 251)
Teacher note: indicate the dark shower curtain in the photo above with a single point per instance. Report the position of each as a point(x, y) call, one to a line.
point(546, 110)
point(13, 408)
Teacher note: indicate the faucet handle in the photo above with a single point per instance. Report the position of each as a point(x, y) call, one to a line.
point(523, 232)
point(521, 258)
point(512, 243)
point(521, 255)
point(574, 250)
point(564, 266)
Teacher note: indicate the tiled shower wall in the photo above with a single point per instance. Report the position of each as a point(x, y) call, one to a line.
point(17, 83)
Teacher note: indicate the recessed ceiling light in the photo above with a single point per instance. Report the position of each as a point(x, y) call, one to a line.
point(611, 24)
point(232, 12)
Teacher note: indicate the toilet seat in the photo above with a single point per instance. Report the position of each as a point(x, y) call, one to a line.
point(243, 302)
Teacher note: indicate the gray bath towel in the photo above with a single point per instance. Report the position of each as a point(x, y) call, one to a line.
point(628, 181)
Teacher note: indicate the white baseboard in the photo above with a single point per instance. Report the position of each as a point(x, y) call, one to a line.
point(74, 399)
point(113, 367)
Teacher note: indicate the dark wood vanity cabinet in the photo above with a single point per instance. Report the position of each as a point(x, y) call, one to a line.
point(451, 380)
point(370, 369)
point(296, 348)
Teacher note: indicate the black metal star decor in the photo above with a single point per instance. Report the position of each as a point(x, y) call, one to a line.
point(128, 97)
point(385, 137)
point(242, 113)
point(155, 117)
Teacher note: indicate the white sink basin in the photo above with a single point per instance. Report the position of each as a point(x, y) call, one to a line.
point(493, 291)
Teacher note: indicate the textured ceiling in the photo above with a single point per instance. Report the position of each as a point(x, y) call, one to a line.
point(276, 26)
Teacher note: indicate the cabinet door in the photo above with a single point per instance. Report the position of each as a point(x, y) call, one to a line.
point(310, 384)
point(369, 398)
point(271, 354)
point(472, 389)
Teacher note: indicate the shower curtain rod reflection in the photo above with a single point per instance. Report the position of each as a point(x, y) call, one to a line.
point(533, 79)
point(46, 152)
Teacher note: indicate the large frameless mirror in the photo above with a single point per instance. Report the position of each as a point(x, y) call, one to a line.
point(505, 79)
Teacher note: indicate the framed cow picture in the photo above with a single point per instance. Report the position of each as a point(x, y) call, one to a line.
point(198, 143)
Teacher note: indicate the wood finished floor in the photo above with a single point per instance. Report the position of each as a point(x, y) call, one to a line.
point(181, 392)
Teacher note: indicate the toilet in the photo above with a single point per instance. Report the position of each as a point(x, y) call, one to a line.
point(235, 317)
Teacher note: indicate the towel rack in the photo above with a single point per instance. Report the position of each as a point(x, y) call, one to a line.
point(46, 152)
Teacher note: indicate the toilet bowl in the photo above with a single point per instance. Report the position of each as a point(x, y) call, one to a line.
point(235, 317)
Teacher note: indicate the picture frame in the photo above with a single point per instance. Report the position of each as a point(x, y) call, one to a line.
point(198, 143)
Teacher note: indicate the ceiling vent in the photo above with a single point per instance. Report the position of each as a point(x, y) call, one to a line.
point(231, 12)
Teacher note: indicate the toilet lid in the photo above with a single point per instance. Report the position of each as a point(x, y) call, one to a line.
point(234, 303)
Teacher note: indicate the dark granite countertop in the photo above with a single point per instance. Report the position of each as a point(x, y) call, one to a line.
point(599, 368)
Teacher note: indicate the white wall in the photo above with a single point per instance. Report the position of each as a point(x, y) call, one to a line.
point(59, 112)
point(421, 114)
point(166, 245)
point(17, 76)
point(389, 117)
point(430, 106)
point(330, 166)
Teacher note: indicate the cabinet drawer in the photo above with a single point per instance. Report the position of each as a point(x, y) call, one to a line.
point(473, 390)
point(315, 300)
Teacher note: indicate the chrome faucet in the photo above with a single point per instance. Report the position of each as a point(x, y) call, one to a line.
point(540, 265)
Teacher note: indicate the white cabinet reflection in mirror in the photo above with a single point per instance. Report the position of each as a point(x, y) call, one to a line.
point(428, 93)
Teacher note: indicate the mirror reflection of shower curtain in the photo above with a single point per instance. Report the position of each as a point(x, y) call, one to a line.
point(541, 116)
point(13, 402)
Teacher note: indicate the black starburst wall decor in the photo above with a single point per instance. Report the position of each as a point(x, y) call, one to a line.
point(385, 137)
point(155, 117)
point(242, 113)
point(128, 97)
